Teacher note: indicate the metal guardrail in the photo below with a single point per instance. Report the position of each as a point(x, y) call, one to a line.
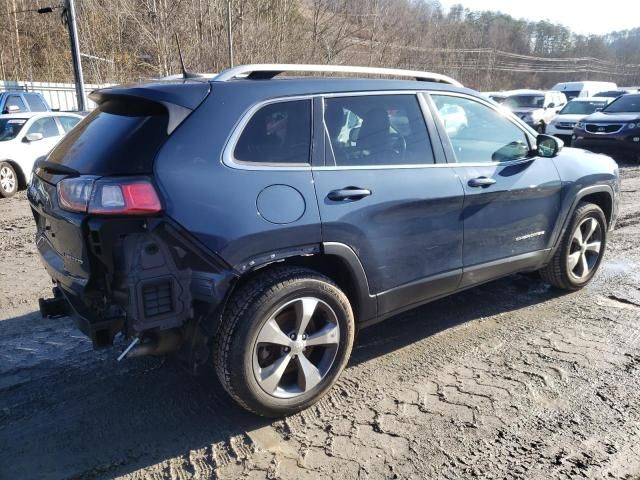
point(59, 96)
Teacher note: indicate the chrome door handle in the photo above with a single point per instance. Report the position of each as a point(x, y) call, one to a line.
point(348, 193)
point(482, 182)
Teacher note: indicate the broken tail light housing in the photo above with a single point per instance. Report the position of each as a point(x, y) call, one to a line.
point(109, 196)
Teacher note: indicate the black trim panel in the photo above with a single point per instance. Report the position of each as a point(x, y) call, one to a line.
point(419, 291)
point(437, 286)
point(368, 307)
point(485, 272)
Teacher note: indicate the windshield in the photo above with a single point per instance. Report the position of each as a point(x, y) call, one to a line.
point(10, 128)
point(524, 101)
point(581, 108)
point(624, 104)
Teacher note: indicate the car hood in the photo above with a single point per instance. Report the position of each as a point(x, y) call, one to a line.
point(613, 117)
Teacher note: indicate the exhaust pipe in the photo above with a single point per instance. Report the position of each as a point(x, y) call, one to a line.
point(159, 344)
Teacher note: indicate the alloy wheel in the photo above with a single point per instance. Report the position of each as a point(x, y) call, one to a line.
point(585, 248)
point(7, 179)
point(296, 347)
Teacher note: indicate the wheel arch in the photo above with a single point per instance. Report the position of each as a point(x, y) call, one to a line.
point(600, 195)
point(338, 262)
point(22, 179)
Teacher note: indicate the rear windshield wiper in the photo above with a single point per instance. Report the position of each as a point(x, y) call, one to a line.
point(52, 167)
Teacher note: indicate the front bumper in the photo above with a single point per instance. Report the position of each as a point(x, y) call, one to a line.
point(622, 144)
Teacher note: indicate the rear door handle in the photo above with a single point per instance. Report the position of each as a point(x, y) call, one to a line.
point(483, 182)
point(348, 193)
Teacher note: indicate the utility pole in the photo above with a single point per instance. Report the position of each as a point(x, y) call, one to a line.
point(70, 13)
point(229, 34)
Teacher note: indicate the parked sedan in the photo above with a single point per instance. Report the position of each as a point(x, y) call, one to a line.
point(616, 129)
point(577, 109)
point(24, 137)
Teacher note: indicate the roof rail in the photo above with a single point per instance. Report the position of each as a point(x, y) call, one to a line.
point(270, 70)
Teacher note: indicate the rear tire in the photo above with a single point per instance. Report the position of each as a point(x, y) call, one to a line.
point(581, 249)
point(286, 336)
point(8, 180)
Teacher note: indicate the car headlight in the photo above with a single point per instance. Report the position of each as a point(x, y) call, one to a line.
point(580, 124)
point(634, 125)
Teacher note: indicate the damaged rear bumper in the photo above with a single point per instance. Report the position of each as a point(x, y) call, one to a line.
point(147, 276)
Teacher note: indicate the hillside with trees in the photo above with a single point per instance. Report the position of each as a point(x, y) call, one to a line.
point(133, 39)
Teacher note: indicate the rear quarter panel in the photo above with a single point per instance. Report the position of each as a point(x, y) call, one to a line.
point(217, 203)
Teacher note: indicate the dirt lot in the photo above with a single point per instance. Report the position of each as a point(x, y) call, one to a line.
point(510, 380)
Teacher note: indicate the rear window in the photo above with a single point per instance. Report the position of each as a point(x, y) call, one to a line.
point(117, 138)
point(35, 103)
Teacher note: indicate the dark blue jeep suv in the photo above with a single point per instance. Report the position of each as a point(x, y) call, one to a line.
point(258, 222)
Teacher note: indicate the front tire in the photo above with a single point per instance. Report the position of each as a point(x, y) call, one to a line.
point(580, 252)
point(286, 336)
point(8, 180)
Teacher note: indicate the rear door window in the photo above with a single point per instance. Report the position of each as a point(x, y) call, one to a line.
point(68, 123)
point(46, 126)
point(376, 130)
point(278, 133)
point(35, 103)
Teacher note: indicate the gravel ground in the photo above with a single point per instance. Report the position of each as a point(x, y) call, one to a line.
point(509, 380)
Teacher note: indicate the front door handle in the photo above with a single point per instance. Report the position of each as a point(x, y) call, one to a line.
point(348, 193)
point(483, 182)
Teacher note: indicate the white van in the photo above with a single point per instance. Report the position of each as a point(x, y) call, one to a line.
point(583, 89)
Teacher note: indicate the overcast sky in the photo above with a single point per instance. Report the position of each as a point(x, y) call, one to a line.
point(581, 16)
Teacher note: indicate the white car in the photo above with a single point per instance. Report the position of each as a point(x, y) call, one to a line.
point(24, 137)
point(583, 89)
point(536, 108)
point(577, 109)
point(454, 118)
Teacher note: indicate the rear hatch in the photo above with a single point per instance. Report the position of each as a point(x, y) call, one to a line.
point(118, 140)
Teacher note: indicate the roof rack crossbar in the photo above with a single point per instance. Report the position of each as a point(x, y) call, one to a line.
point(268, 71)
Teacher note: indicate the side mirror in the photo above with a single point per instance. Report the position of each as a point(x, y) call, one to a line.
point(548, 146)
point(33, 137)
point(551, 105)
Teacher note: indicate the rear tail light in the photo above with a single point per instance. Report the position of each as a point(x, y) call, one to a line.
point(109, 196)
point(74, 193)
